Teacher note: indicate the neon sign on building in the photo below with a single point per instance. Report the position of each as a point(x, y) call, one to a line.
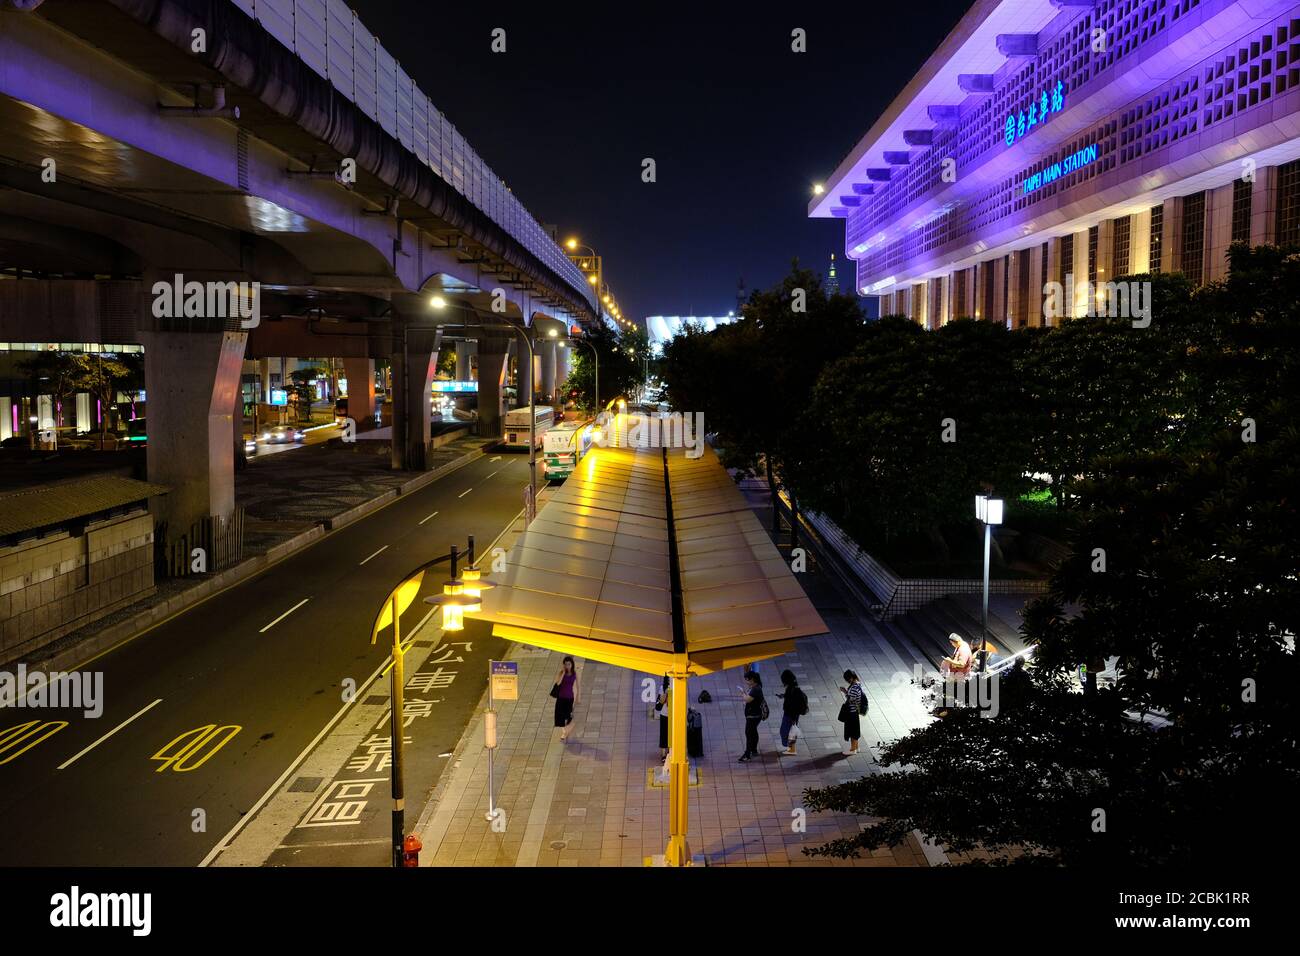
point(1055, 171)
point(1018, 125)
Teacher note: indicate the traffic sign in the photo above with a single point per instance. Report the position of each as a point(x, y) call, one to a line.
point(504, 676)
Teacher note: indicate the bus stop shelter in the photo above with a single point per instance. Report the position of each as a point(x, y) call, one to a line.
point(651, 560)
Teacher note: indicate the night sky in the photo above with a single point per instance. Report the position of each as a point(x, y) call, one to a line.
point(739, 126)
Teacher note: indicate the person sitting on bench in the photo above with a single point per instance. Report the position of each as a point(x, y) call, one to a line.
point(958, 666)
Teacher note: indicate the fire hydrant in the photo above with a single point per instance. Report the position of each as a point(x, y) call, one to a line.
point(411, 847)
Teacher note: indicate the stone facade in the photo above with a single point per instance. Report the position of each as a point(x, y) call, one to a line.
point(53, 584)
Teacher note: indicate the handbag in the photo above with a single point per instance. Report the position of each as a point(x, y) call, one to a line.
point(844, 712)
point(555, 690)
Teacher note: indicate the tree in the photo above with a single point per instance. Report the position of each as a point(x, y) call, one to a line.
point(907, 428)
point(53, 374)
point(101, 377)
point(1197, 604)
point(622, 366)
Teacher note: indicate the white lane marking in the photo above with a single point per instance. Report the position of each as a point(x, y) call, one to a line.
point(493, 473)
point(434, 515)
point(497, 458)
point(140, 713)
point(224, 843)
point(379, 552)
point(464, 493)
point(284, 615)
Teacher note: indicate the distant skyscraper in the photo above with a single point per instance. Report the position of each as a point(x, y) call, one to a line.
point(832, 281)
point(740, 294)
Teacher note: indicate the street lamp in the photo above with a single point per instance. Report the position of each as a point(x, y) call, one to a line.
point(454, 601)
point(988, 510)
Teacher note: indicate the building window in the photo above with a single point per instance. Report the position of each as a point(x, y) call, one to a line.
point(1044, 268)
point(959, 294)
point(1093, 241)
point(1241, 191)
point(1194, 237)
point(1006, 289)
point(1120, 257)
point(1288, 204)
point(1067, 256)
point(1157, 236)
point(986, 272)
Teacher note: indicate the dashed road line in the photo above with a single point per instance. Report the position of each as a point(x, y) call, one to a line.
point(376, 554)
point(427, 517)
point(464, 493)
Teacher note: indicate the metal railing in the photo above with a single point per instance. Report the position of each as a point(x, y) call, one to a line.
point(331, 40)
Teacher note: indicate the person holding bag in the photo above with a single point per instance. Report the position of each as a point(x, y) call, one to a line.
point(565, 692)
point(851, 711)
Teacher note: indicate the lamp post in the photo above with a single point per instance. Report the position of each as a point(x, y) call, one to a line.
point(597, 278)
point(989, 511)
point(456, 598)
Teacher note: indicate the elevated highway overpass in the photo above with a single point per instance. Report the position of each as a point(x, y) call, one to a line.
point(252, 141)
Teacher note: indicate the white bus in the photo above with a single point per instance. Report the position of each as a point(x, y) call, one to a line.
point(516, 425)
point(564, 446)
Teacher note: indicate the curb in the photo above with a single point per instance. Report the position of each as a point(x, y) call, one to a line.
point(85, 651)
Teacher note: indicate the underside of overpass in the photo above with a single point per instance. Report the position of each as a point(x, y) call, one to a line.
point(110, 189)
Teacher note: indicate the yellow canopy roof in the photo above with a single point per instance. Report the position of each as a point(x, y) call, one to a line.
point(593, 574)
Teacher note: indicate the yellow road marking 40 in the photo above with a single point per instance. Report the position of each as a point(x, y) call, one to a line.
point(194, 748)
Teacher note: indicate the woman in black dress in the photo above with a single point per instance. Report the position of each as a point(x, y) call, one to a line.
point(566, 695)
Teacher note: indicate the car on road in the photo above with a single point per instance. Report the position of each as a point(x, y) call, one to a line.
point(281, 435)
point(250, 446)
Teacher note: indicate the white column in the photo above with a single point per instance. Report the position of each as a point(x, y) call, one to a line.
point(1218, 231)
point(1139, 242)
point(1263, 206)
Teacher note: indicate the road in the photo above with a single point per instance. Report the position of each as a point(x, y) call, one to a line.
point(246, 680)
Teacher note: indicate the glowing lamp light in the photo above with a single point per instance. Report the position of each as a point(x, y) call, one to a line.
point(572, 243)
point(437, 302)
point(989, 510)
point(552, 333)
point(454, 602)
point(591, 279)
point(818, 189)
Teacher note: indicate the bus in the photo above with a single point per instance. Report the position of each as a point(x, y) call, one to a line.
point(516, 425)
point(564, 446)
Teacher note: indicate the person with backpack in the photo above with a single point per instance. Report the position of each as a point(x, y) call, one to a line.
point(852, 710)
point(755, 712)
point(794, 704)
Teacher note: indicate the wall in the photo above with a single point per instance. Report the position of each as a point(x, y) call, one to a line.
point(45, 590)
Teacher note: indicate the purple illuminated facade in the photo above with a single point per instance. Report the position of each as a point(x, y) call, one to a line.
point(1088, 139)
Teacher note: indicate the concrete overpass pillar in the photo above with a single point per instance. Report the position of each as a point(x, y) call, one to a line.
point(463, 352)
point(193, 383)
point(264, 376)
point(546, 359)
point(360, 373)
point(492, 354)
point(414, 364)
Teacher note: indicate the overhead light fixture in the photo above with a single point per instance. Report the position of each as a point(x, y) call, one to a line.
point(437, 302)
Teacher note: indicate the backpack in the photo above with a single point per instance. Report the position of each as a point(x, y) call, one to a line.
point(763, 712)
point(803, 702)
point(862, 701)
point(704, 697)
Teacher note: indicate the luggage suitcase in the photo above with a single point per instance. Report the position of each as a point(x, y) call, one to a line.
point(694, 734)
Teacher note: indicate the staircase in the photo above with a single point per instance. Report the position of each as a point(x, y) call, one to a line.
point(927, 628)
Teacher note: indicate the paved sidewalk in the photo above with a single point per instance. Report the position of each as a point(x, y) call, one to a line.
point(591, 802)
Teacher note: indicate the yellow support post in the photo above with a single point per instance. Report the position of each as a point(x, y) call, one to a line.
point(679, 851)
